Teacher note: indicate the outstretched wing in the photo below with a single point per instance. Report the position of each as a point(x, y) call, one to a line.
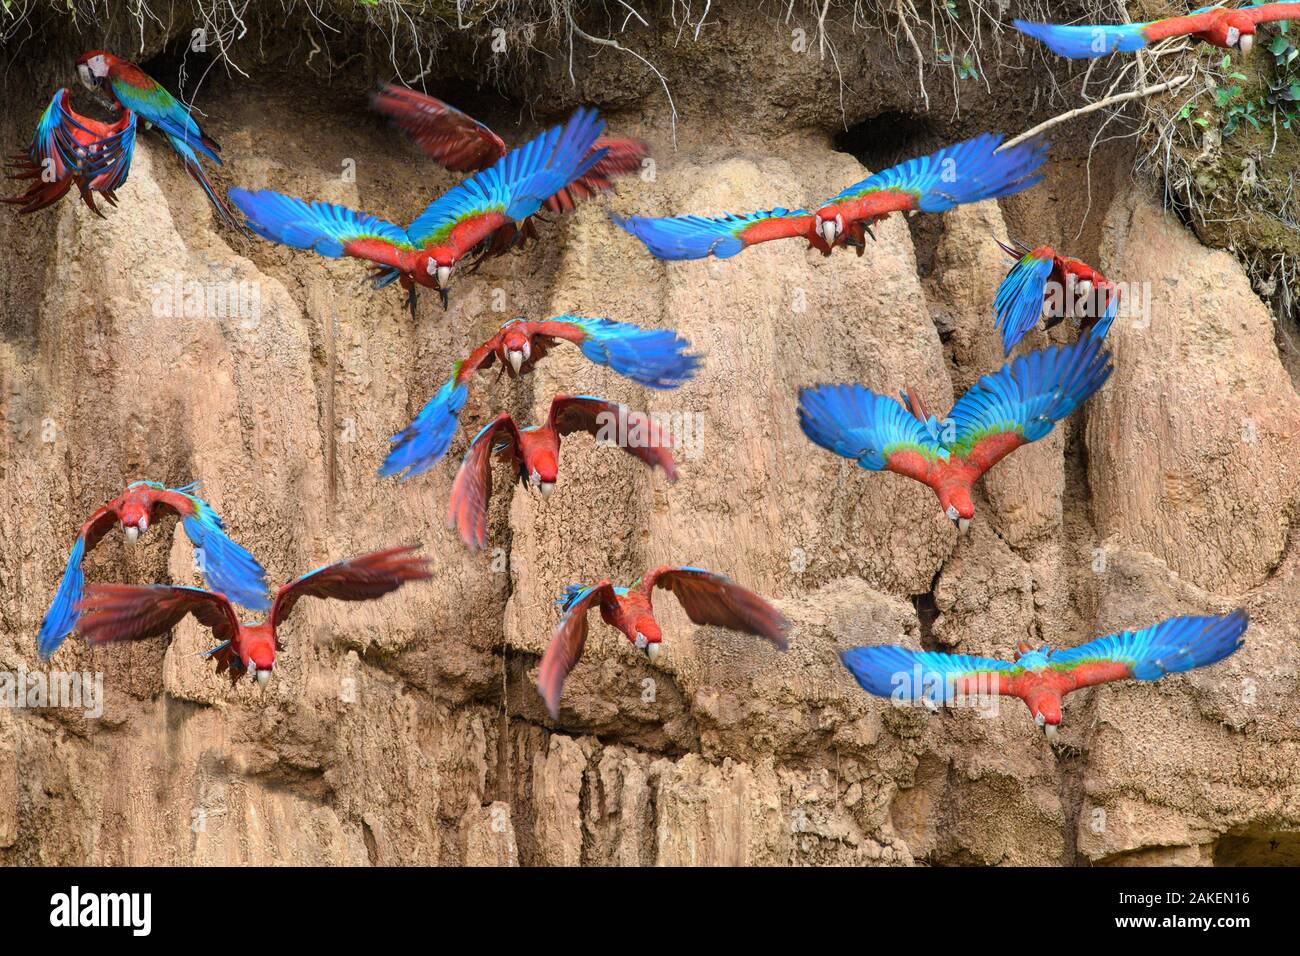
point(567, 642)
point(467, 505)
point(653, 357)
point(449, 137)
point(865, 426)
point(226, 567)
point(635, 432)
point(696, 237)
point(716, 600)
point(324, 228)
point(1174, 645)
point(1018, 304)
point(1023, 400)
point(622, 157)
point(902, 674)
point(115, 612)
point(362, 578)
point(513, 188)
point(61, 617)
point(966, 172)
point(1270, 12)
point(1089, 41)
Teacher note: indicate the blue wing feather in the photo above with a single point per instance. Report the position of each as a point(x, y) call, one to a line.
point(226, 567)
point(865, 426)
point(653, 357)
point(697, 237)
point(62, 616)
point(1018, 304)
point(321, 227)
point(1086, 41)
point(1174, 645)
point(888, 670)
point(422, 444)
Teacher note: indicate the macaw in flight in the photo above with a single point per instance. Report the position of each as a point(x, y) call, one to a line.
point(113, 612)
point(656, 358)
point(127, 87)
point(225, 565)
point(454, 225)
point(534, 453)
point(1018, 404)
point(462, 144)
point(69, 148)
point(708, 598)
point(1078, 290)
point(967, 172)
point(1043, 677)
point(1218, 25)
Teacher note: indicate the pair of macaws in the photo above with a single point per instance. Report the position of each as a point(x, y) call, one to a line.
point(110, 612)
point(1219, 25)
point(69, 148)
point(486, 215)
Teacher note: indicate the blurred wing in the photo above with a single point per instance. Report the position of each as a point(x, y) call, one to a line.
point(61, 617)
point(114, 612)
point(621, 158)
point(1085, 42)
point(966, 172)
point(635, 432)
point(1023, 400)
point(900, 673)
point(716, 600)
point(1018, 304)
point(1271, 12)
point(1174, 645)
point(875, 431)
point(472, 488)
point(362, 578)
point(566, 644)
point(450, 138)
point(656, 358)
point(514, 187)
point(226, 566)
point(324, 228)
point(695, 237)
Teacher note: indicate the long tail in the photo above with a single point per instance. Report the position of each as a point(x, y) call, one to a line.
point(62, 616)
point(421, 445)
point(191, 162)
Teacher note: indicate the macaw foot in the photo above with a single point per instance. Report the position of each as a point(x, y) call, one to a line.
point(410, 302)
point(442, 294)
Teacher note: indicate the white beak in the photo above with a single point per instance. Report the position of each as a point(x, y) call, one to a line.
point(516, 360)
point(546, 487)
point(132, 534)
point(827, 229)
point(443, 275)
point(263, 677)
point(963, 525)
point(654, 650)
point(1247, 41)
point(1050, 730)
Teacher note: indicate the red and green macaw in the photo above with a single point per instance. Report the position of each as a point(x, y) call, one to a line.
point(708, 598)
point(656, 358)
point(462, 144)
point(125, 86)
point(967, 172)
point(1079, 291)
point(113, 612)
point(534, 454)
point(458, 223)
point(224, 564)
point(1018, 404)
point(1218, 25)
point(69, 148)
point(1043, 677)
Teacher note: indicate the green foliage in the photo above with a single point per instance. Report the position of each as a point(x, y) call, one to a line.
point(1278, 103)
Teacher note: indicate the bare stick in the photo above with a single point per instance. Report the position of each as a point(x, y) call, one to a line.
point(1100, 104)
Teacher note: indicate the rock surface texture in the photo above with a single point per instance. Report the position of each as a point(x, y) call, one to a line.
point(155, 344)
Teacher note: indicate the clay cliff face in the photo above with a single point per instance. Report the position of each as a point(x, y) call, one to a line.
point(408, 731)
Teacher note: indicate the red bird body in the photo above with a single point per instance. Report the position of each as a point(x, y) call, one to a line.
point(534, 453)
point(708, 598)
point(112, 612)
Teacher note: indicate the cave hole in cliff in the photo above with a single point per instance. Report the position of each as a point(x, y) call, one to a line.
point(1257, 848)
point(888, 139)
point(927, 612)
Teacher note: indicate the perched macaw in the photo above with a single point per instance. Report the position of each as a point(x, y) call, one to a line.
point(462, 144)
point(1041, 678)
point(653, 357)
point(1018, 404)
point(967, 172)
point(534, 453)
point(1080, 291)
point(1218, 25)
point(708, 598)
point(225, 565)
point(453, 226)
point(112, 612)
point(69, 148)
point(125, 86)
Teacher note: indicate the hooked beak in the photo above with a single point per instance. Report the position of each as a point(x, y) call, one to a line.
point(1050, 730)
point(516, 360)
point(545, 487)
point(963, 525)
point(827, 228)
point(653, 651)
point(87, 78)
point(132, 534)
point(1247, 41)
